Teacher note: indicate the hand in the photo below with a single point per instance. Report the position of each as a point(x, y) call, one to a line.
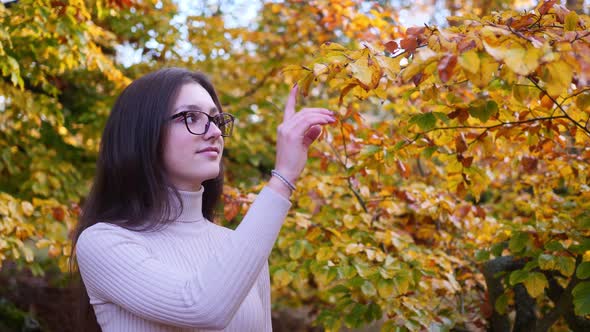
point(294, 136)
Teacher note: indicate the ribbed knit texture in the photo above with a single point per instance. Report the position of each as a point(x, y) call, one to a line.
point(192, 275)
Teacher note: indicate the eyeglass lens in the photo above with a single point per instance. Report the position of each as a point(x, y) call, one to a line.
point(198, 122)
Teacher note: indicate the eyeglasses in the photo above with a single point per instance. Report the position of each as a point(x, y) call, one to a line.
point(197, 122)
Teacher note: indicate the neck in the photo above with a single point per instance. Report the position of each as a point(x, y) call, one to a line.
point(192, 205)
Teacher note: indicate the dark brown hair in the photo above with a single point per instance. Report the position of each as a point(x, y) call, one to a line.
point(130, 187)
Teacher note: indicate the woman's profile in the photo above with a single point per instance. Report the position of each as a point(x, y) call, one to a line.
point(148, 252)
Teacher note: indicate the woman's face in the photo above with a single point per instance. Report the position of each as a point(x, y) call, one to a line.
point(186, 164)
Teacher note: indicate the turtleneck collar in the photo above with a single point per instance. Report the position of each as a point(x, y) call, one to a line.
point(192, 203)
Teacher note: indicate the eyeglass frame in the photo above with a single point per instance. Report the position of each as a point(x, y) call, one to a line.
point(210, 118)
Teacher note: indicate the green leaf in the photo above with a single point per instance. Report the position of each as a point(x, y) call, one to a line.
point(547, 262)
point(368, 289)
point(581, 295)
point(442, 117)
point(497, 249)
point(371, 150)
point(282, 278)
point(566, 265)
point(483, 111)
point(535, 283)
point(529, 266)
point(518, 276)
point(373, 312)
point(338, 289)
point(582, 247)
point(346, 272)
point(427, 152)
point(296, 250)
point(583, 101)
point(385, 288)
point(501, 304)
point(355, 318)
point(482, 255)
point(518, 242)
point(554, 246)
point(425, 121)
point(583, 271)
point(399, 145)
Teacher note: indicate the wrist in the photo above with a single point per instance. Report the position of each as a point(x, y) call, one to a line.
point(291, 178)
point(279, 187)
point(283, 179)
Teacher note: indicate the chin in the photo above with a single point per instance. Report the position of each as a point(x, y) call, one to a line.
point(211, 176)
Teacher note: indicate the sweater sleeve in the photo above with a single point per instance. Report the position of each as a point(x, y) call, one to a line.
point(264, 288)
point(116, 267)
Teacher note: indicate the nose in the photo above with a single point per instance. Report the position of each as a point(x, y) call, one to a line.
point(213, 131)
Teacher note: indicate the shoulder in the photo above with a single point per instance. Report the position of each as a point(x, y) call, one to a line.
point(101, 230)
point(219, 229)
point(102, 236)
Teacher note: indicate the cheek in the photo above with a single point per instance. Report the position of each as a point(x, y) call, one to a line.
point(176, 148)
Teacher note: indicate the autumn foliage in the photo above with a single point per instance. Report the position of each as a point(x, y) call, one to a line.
point(452, 191)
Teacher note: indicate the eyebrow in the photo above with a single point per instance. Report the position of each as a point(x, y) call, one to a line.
point(212, 110)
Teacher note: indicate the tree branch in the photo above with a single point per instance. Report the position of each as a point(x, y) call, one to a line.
point(350, 185)
point(486, 128)
point(499, 322)
point(560, 108)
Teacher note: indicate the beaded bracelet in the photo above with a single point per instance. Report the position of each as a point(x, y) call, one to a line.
point(282, 178)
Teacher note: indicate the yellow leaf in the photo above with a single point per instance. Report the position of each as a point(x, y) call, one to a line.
point(390, 65)
point(282, 278)
point(332, 46)
point(402, 284)
point(520, 60)
point(28, 254)
point(535, 283)
point(27, 208)
point(319, 69)
point(571, 21)
point(367, 71)
point(354, 248)
point(350, 222)
point(43, 243)
point(558, 77)
point(478, 67)
point(324, 254)
point(385, 288)
point(469, 61)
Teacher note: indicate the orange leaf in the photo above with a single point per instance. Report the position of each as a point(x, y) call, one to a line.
point(409, 44)
point(546, 101)
point(460, 144)
point(58, 213)
point(446, 66)
point(391, 46)
point(403, 169)
point(230, 210)
point(529, 164)
point(547, 4)
point(415, 31)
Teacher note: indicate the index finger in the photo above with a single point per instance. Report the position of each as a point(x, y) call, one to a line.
point(290, 105)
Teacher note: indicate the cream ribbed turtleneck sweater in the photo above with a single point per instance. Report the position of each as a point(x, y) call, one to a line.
point(192, 275)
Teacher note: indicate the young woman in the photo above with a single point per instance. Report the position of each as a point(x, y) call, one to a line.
point(148, 253)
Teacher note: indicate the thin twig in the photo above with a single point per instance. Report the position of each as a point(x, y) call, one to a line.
point(350, 185)
point(561, 108)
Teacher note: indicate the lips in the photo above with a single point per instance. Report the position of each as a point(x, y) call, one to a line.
point(209, 149)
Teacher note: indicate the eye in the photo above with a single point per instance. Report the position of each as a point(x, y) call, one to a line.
point(191, 118)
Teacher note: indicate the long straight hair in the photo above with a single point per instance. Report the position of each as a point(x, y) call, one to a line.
point(131, 188)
